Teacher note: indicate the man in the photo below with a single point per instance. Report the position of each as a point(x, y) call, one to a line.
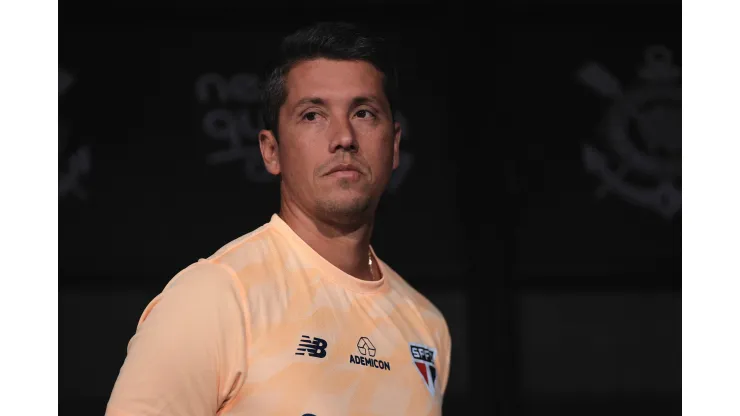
point(300, 317)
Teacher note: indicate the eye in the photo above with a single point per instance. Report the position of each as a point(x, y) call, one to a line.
point(310, 116)
point(365, 114)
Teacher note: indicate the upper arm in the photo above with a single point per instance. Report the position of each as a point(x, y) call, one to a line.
point(188, 354)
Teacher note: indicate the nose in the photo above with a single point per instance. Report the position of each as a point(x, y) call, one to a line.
point(343, 137)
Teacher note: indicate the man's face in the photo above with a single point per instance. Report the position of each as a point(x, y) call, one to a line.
point(338, 144)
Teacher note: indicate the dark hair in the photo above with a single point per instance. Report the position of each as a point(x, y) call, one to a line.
point(330, 40)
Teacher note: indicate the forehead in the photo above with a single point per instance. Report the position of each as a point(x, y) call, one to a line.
point(333, 80)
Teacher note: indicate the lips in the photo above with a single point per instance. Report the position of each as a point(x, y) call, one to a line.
point(343, 168)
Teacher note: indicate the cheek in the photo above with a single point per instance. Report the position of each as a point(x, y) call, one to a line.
point(297, 164)
point(379, 138)
point(381, 157)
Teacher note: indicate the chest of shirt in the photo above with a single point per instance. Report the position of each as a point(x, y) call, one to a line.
point(342, 358)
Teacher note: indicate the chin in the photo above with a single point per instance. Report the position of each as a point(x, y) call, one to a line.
point(347, 208)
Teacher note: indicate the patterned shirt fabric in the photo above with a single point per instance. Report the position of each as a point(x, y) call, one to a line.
point(266, 326)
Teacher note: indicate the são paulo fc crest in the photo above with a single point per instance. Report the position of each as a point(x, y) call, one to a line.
point(423, 358)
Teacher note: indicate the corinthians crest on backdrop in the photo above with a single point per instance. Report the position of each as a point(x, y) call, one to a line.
point(637, 153)
point(75, 162)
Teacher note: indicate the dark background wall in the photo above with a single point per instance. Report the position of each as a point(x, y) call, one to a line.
point(537, 202)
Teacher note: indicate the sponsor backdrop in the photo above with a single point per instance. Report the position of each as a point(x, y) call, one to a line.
point(538, 201)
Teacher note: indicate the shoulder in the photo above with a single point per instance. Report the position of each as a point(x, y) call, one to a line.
point(429, 312)
point(250, 254)
point(248, 248)
point(215, 279)
point(256, 260)
point(202, 287)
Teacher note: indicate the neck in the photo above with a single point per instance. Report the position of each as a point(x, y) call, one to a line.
point(345, 246)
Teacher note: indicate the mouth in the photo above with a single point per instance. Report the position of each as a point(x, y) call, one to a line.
point(344, 169)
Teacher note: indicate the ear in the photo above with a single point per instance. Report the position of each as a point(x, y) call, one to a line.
point(270, 151)
point(396, 144)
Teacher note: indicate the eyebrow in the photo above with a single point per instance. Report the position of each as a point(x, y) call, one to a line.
point(309, 100)
point(359, 100)
point(365, 100)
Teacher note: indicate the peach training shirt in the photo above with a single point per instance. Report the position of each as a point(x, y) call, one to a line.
point(266, 326)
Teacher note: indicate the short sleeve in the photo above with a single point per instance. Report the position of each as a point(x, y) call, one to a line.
point(445, 356)
point(188, 354)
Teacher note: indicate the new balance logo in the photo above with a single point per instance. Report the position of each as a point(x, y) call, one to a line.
point(315, 348)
